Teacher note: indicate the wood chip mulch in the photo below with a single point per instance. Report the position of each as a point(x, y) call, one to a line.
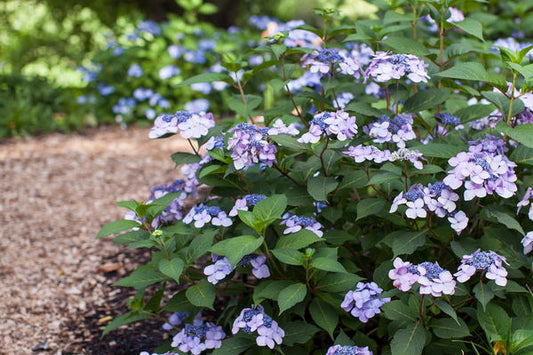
point(57, 191)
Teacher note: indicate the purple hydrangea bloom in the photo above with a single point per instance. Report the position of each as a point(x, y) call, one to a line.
point(296, 223)
point(447, 118)
point(362, 153)
point(484, 169)
point(526, 200)
point(202, 215)
point(168, 72)
point(149, 27)
point(142, 94)
point(250, 145)
point(384, 67)
point(253, 320)
point(175, 51)
point(410, 155)
point(242, 204)
point(191, 125)
point(279, 127)
point(322, 61)
point(432, 278)
point(348, 350)
point(258, 262)
point(173, 212)
point(124, 106)
point(219, 270)
point(488, 261)
point(364, 302)
point(527, 242)
point(198, 105)
point(196, 338)
point(342, 100)
point(397, 130)
point(175, 320)
point(308, 79)
point(338, 123)
point(135, 71)
point(195, 57)
point(215, 142)
point(105, 90)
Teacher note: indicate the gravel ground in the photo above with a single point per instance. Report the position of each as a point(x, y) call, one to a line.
point(55, 278)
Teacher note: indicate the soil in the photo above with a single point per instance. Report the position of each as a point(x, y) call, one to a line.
point(57, 191)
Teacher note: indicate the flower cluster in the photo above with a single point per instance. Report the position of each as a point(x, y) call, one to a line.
point(526, 200)
point(198, 337)
point(342, 100)
point(296, 223)
point(338, 123)
point(190, 125)
point(322, 61)
point(219, 270)
point(242, 204)
point(384, 67)
point(348, 350)
point(175, 320)
point(487, 261)
point(202, 215)
point(527, 242)
point(258, 262)
point(397, 130)
point(250, 145)
point(432, 278)
point(364, 302)
point(484, 169)
point(253, 320)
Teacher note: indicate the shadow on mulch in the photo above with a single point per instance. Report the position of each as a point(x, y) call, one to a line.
point(84, 332)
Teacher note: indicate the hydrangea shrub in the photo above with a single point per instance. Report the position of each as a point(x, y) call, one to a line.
point(381, 204)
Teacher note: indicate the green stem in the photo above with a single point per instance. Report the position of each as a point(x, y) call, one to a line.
point(510, 115)
point(241, 90)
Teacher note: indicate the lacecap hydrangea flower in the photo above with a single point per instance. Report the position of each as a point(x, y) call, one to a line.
point(175, 320)
point(202, 215)
point(364, 302)
point(257, 321)
point(432, 278)
point(486, 261)
point(348, 350)
point(296, 223)
point(385, 66)
point(199, 336)
point(525, 201)
point(219, 270)
point(397, 130)
point(527, 242)
point(249, 145)
point(339, 124)
point(190, 125)
point(242, 204)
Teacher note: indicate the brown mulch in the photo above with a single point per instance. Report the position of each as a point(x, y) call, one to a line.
point(56, 292)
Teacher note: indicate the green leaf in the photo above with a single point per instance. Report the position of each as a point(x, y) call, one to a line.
point(363, 108)
point(324, 315)
point(185, 158)
point(471, 71)
point(408, 341)
point(338, 282)
point(327, 264)
point(471, 26)
point(291, 295)
point(131, 237)
point(297, 240)
point(494, 321)
point(289, 143)
point(130, 205)
point(473, 112)
point(407, 242)
point(116, 226)
point(522, 155)
point(125, 319)
point(397, 310)
point(427, 99)
point(503, 103)
point(491, 213)
point(289, 256)
point(521, 339)
point(446, 308)
point(439, 150)
point(202, 294)
point(268, 289)
point(354, 179)
point(199, 246)
point(298, 332)
point(237, 247)
point(320, 186)
point(483, 294)
point(234, 345)
point(447, 328)
point(522, 133)
point(369, 207)
point(172, 268)
point(207, 78)
point(247, 217)
point(402, 44)
point(141, 278)
point(270, 208)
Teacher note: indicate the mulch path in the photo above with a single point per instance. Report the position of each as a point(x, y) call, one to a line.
point(57, 191)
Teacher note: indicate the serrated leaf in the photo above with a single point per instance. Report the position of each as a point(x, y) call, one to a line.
point(521, 133)
point(289, 143)
point(369, 207)
point(406, 45)
point(237, 247)
point(141, 278)
point(289, 256)
point(199, 246)
point(446, 328)
point(297, 240)
point(131, 237)
point(521, 339)
point(116, 226)
point(327, 264)
point(362, 108)
point(446, 308)
point(298, 332)
point(494, 321)
point(207, 78)
point(439, 150)
point(355, 179)
point(269, 289)
point(483, 293)
point(427, 99)
point(407, 242)
point(397, 310)
point(291, 295)
point(471, 26)
point(503, 103)
point(320, 186)
point(324, 315)
point(172, 268)
point(408, 341)
point(471, 71)
point(338, 282)
point(234, 345)
point(473, 112)
point(270, 208)
point(202, 294)
point(491, 213)
point(522, 155)
point(185, 158)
